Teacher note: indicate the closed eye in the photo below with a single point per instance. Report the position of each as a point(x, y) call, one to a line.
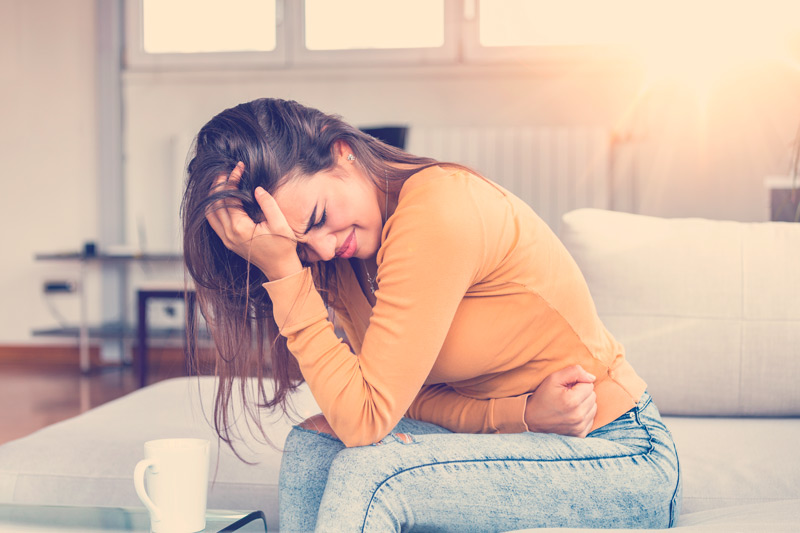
point(322, 219)
point(319, 223)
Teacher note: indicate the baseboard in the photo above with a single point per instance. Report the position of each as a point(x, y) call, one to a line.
point(68, 355)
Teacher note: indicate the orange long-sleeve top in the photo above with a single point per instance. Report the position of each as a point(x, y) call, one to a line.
point(478, 302)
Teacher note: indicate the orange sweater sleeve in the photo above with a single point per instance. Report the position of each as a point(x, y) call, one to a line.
point(446, 407)
point(433, 250)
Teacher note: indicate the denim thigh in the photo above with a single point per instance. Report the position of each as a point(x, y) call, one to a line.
point(423, 478)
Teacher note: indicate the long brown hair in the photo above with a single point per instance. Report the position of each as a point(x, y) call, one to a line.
point(277, 140)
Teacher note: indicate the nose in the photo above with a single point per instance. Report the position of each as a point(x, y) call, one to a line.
point(322, 244)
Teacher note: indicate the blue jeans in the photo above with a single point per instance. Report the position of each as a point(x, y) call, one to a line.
point(424, 478)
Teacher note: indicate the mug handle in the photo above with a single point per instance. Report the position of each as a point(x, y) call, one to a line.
point(138, 484)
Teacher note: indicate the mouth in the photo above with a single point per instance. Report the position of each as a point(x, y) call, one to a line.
point(348, 247)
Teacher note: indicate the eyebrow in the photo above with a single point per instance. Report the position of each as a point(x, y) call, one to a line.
point(311, 220)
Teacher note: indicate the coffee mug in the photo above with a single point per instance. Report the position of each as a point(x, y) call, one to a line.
point(176, 474)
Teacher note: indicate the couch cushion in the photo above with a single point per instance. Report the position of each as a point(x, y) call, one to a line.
point(728, 462)
point(709, 311)
point(772, 517)
point(89, 459)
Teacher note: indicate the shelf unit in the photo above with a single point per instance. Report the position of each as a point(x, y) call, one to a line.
point(123, 329)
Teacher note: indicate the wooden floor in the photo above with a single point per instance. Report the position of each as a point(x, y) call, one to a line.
point(36, 394)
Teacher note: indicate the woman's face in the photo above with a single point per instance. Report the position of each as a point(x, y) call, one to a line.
point(334, 213)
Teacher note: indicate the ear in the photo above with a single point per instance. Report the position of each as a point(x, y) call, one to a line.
point(341, 150)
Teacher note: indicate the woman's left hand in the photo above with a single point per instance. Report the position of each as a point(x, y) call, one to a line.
point(270, 245)
point(319, 424)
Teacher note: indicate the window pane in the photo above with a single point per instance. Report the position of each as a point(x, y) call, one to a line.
point(635, 22)
point(187, 26)
point(558, 23)
point(360, 24)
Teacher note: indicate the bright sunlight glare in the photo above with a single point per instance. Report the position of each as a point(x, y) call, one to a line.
point(695, 40)
point(700, 40)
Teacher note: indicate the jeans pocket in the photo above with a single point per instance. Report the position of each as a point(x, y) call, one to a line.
point(627, 430)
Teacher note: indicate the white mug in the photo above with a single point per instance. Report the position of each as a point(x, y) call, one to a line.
point(177, 484)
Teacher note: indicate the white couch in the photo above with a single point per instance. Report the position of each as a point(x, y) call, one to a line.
point(709, 312)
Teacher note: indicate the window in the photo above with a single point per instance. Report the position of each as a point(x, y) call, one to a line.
point(186, 33)
point(188, 26)
point(373, 31)
point(373, 24)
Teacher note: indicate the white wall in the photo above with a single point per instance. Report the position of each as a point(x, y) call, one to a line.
point(695, 154)
point(47, 152)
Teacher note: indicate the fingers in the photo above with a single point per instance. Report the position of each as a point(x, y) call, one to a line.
point(572, 375)
point(218, 215)
point(313, 422)
point(268, 205)
point(319, 424)
point(236, 174)
point(274, 219)
point(581, 392)
point(584, 397)
point(230, 180)
point(578, 409)
point(585, 401)
point(224, 215)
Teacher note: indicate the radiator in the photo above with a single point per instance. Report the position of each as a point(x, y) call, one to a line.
point(554, 170)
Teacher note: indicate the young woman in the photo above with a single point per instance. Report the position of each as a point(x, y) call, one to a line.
point(475, 387)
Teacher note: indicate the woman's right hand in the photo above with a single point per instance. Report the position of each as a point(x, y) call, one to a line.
point(565, 403)
point(270, 245)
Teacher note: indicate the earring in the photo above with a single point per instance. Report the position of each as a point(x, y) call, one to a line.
point(351, 157)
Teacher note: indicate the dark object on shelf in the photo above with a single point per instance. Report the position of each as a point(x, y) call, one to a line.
point(785, 205)
point(59, 286)
point(119, 330)
point(89, 249)
point(391, 135)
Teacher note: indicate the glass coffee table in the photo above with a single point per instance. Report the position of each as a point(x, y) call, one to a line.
point(50, 518)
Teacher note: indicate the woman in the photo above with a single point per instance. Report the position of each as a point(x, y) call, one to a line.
point(474, 357)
